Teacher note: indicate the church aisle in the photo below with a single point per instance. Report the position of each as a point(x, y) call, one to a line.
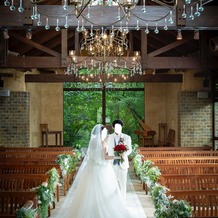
point(139, 204)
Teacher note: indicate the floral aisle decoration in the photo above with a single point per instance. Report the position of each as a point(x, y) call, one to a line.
point(134, 151)
point(27, 212)
point(45, 192)
point(67, 164)
point(137, 164)
point(164, 206)
point(45, 198)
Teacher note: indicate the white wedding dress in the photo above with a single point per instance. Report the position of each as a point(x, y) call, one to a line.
point(95, 192)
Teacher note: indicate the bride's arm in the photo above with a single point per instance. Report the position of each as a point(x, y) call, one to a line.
point(106, 156)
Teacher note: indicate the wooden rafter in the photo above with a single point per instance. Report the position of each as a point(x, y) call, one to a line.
point(55, 78)
point(34, 44)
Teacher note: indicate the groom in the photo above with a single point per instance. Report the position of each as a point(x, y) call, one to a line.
point(121, 169)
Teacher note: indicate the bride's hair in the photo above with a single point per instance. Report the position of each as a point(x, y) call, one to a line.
point(97, 130)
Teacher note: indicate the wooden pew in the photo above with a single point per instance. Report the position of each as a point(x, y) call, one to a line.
point(172, 154)
point(10, 201)
point(188, 168)
point(183, 160)
point(28, 169)
point(201, 191)
point(39, 154)
point(185, 169)
point(189, 182)
point(24, 182)
point(35, 149)
point(45, 157)
point(203, 202)
point(31, 169)
point(37, 162)
point(183, 148)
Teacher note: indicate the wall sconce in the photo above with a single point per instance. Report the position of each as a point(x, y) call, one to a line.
point(29, 34)
point(5, 33)
point(196, 35)
point(179, 34)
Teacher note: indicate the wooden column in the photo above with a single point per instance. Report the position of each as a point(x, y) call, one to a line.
point(144, 49)
point(64, 47)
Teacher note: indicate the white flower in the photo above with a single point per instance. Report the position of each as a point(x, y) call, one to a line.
point(66, 161)
point(45, 184)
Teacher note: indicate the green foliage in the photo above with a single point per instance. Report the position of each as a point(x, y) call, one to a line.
point(175, 209)
point(82, 110)
point(45, 192)
point(53, 179)
point(45, 197)
point(67, 164)
point(137, 164)
point(164, 207)
point(27, 213)
point(134, 151)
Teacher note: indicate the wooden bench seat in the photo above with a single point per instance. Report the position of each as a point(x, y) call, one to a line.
point(31, 165)
point(39, 154)
point(183, 148)
point(188, 168)
point(189, 182)
point(24, 182)
point(201, 191)
point(182, 160)
point(171, 154)
point(28, 169)
point(35, 149)
point(10, 201)
point(203, 202)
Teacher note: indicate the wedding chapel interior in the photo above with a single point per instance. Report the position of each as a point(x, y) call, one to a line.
point(161, 55)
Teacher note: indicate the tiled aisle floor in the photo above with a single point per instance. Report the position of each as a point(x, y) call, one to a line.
point(139, 204)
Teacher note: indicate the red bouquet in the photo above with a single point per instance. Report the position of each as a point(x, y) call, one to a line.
point(118, 152)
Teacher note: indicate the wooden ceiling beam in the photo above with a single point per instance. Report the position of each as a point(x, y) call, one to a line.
point(148, 63)
point(34, 44)
point(41, 40)
point(60, 78)
point(32, 62)
point(170, 46)
point(106, 16)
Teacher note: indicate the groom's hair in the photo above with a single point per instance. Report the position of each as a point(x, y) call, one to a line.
point(117, 122)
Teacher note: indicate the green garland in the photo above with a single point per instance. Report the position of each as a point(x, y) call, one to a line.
point(68, 163)
point(45, 192)
point(164, 207)
point(27, 213)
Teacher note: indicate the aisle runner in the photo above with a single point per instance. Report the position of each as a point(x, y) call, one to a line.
point(132, 201)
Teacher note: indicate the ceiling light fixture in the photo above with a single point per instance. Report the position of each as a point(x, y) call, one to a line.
point(105, 49)
point(123, 7)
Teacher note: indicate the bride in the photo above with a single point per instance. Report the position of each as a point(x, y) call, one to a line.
point(95, 192)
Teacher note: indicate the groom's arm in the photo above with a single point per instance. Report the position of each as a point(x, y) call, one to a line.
point(129, 146)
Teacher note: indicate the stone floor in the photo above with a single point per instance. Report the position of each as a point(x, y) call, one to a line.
point(139, 204)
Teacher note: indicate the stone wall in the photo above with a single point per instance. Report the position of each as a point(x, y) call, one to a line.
point(195, 120)
point(14, 119)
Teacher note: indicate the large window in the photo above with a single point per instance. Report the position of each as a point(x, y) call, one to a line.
point(85, 106)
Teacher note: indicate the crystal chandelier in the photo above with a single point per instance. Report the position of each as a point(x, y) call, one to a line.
point(105, 49)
